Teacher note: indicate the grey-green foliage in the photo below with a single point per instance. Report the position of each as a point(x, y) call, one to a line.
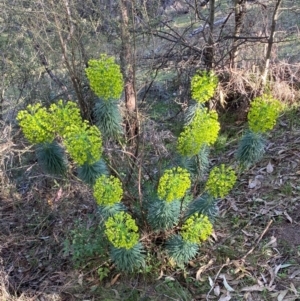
point(198, 164)
point(88, 173)
point(108, 211)
point(204, 204)
point(163, 215)
point(251, 149)
point(191, 111)
point(181, 251)
point(51, 157)
point(128, 260)
point(108, 118)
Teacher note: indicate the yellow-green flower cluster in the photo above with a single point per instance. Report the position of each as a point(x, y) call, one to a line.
point(108, 190)
point(203, 86)
point(122, 231)
point(203, 129)
point(83, 142)
point(196, 228)
point(105, 77)
point(65, 115)
point(263, 113)
point(36, 124)
point(174, 184)
point(220, 181)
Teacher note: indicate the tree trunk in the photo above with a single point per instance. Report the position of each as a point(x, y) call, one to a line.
point(209, 51)
point(127, 58)
point(239, 13)
point(266, 66)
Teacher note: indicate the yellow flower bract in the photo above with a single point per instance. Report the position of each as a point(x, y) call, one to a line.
point(105, 77)
point(196, 229)
point(203, 129)
point(263, 113)
point(37, 124)
point(203, 86)
point(122, 231)
point(107, 190)
point(65, 115)
point(84, 143)
point(220, 181)
point(174, 184)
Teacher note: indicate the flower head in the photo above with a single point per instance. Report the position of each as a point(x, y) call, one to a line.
point(36, 123)
point(108, 190)
point(174, 184)
point(263, 113)
point(220, 181)
point(196, 228)
point(65, 115)
point(203, 129)
point(105, 77)
point(203, 86)
point(122, 231)
point(83, 142)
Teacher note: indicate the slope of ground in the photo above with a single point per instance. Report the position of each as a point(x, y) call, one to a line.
point(253, 255)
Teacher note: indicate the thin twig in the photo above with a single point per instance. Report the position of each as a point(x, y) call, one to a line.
point(258, 241)
point(212, 286)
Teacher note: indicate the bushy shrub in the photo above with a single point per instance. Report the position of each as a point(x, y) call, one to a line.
point(181, 217)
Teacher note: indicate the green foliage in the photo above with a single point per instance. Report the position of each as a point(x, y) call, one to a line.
point(128, 260)
point(263, 113)
point(52, 158)
point(163, 215)
point(204, 204)
point(88, 173)
point(251, 149)
point(202, 130)
point(86, 242)
point(174, 184)
point(220, 181)
point(105, 77)
point(64, 115)
point(108, 190)
point(108, 118)
point(181, 251)
point(203, 86)
point(122, 231)
point(103, 272)
point(196, 229)
point(84, 143)
point(37, 124)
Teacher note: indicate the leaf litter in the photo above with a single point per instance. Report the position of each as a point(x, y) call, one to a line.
point(255, 250)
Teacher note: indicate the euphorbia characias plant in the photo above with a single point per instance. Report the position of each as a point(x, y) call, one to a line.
point(184, 223)
point(106, 81)
point(262, 116)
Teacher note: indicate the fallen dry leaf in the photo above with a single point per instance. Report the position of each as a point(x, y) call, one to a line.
point(288, 217)
point(114, 280)
point(203, 268)
point(253, 288)
point(282, 295)
point(226, 297)
point(217, 290)
point(270, 168)
point(226, 285)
